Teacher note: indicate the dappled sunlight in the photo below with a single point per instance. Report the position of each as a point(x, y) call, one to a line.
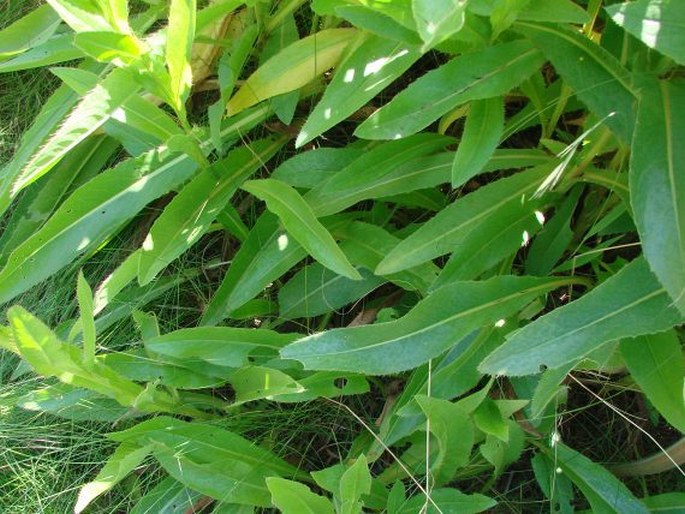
point(349, 76)
point(148, 244)
point(83, 244)
point(283, 242)
point(500, 323)
point(525, 238)
point(540, 216)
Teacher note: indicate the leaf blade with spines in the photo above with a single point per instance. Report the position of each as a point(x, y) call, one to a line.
point(629, 304)
point(301, 223)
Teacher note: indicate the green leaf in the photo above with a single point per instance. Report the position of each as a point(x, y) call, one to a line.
point(121, 49)
point(292, 68)
point(555, 486)
point(86, 318)
point(29, 31)
point(295, 498)
point(391, 168)
point(41, 199)
point(125, 459)
point(448, 500)
point(473, 76)
point(657, 187)
point(482, 133)
point(659, 24)
point(629, 304)
point(371, 67)
point(451, 226)
point(437, 20)
point(454, 433)
point(49, 356)
point(556, 235)
point(88, 16)
point(90, 215)
point(231, 481)
point(365, 17)
point(220, 346)
point(355, 482)
point(135, 115)
point(366, 245)
point(256, 382)
point(606, 493)
point(195, 207)
point(667, 502)
point(309, 169)
point(301, 223)
point(316, 290)
point(501, 235)
point(179, 41)
point(488, 418)
point(167, 497)
point(264, 256)
point(558, 11)
point(600, 82)
point(430, 328)
point(94, 110)
point(59, 48)
point(205, 443)
point(655, 362)
point(73, 403)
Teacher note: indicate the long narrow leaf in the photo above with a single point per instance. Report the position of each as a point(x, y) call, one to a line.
point(630, 304)
point(657, 184)
point(301, 223)
point(430, 328)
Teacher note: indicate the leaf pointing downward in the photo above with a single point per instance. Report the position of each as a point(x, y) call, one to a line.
point(300, 222)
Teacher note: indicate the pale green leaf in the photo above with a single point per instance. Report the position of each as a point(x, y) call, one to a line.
point(86, 318)
point(299, 220)
point(85, 15)
point(295, 498)
point(370, 68)
point(195, 207)
point(180, 35)
point(29, 31)
point(90, 215)
point(94, 110)
point(316, 290)
point(482, 134)
point(121, 49)
point(437, 20)
point(167, 497)
point(293, 67)
point(629, 304)
point(658, 187)
point(256, 382)
point(559, 11)
point(434, 325)
point(655, 362)
point(659, 24)
point(125, 459)
point(41, 199)
point(476, 75)
point(58, 48)
point(221, 346)
point(49, 356)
